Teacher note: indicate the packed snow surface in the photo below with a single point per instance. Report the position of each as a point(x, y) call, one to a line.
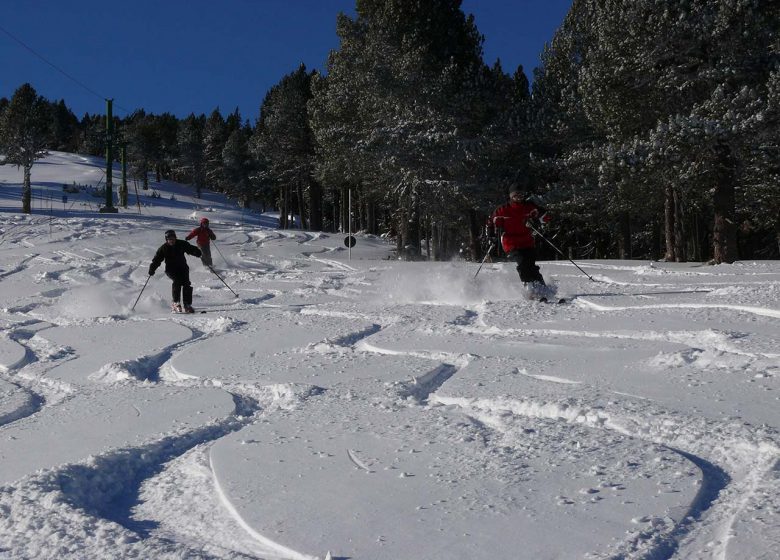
point(345, 404)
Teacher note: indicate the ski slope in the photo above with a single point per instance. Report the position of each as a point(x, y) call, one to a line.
point(361, 407)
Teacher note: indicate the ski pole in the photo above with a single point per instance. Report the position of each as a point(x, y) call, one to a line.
point(139, 295)
point(487, 254)
point(225, 283)
point(550, 243)
point(220, 253)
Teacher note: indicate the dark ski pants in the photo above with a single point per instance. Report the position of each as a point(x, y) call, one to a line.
point(205, 255)
point(181, 286)
point(526, 265)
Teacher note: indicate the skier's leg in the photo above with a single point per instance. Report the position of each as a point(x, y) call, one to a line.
point(175, 287)
point(186, 288)
point(527, 268)
point(206, 255)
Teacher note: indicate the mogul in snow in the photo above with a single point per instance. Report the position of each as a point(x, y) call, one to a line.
point(511, 222)
point(203, 238)
point(173, 252)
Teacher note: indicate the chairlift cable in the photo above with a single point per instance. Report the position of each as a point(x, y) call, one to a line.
point(58, 69)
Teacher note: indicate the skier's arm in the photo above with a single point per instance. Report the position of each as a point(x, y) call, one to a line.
point(497, 221)
point(159, 256)
point(192, 234)
point(212, 235)
point(192, 250)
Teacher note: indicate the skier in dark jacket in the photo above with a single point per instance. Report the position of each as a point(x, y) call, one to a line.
point(203, 238)
point(511, 221)
point(173, 253)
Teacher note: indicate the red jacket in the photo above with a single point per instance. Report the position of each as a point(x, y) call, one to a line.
point(510, 220)
point(203, 234)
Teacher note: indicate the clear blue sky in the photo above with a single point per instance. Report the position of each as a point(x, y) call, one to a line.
point(191, 56)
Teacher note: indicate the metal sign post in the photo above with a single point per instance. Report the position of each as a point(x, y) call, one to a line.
point(349, 240)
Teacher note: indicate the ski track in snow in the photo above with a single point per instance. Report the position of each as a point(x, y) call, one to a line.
point(754, 463)
point(424, 386)
point(101, 499)
point(747, 309)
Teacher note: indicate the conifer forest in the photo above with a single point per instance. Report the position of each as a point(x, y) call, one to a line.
point(650, 129)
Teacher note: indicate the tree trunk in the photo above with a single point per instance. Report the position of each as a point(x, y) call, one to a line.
point(724, 203)
point(315, 205)
point(401, 233)
point(283, 209)
point(474, 233)
point(655, 242)
point(777, 233)
point(373, 226)
point(301, 207)
point(412, 241)
point(334, 208)
point(428, 235)
point(680, 252)
point(669, 223)
point(624, 239)
point(27, 190)
point(344, 210)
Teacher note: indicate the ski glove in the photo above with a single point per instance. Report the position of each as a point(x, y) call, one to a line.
point(151, 271)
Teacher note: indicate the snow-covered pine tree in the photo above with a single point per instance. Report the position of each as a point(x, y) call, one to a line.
point(189, 166)
point(410, 93)
point(237, 167)
point(283, 138)
point(214, 137)
point(143, 145)
point(672, 93)
point(64, 128)
point(24, 133)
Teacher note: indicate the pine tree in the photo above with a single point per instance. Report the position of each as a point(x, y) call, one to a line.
point(407, 108)
point(667, 100)
point(143, 145)
point(283, 137)
point(92, 135)
point(214, 138)
point(24, 132)
point(190, 164)
point(167, 133)
point(64, 128)
point(237, 167)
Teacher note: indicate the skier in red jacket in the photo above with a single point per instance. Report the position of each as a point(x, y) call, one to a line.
point(204, 236)
point(511, 223)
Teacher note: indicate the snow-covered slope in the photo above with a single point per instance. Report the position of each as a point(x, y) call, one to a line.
point(366, 407)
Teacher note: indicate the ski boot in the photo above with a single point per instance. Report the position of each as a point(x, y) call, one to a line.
point(176, 307)
point(188, 308)
point(535, 291)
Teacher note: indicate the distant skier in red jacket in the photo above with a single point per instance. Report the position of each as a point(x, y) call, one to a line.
point(510, 222)
point(204, 236)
